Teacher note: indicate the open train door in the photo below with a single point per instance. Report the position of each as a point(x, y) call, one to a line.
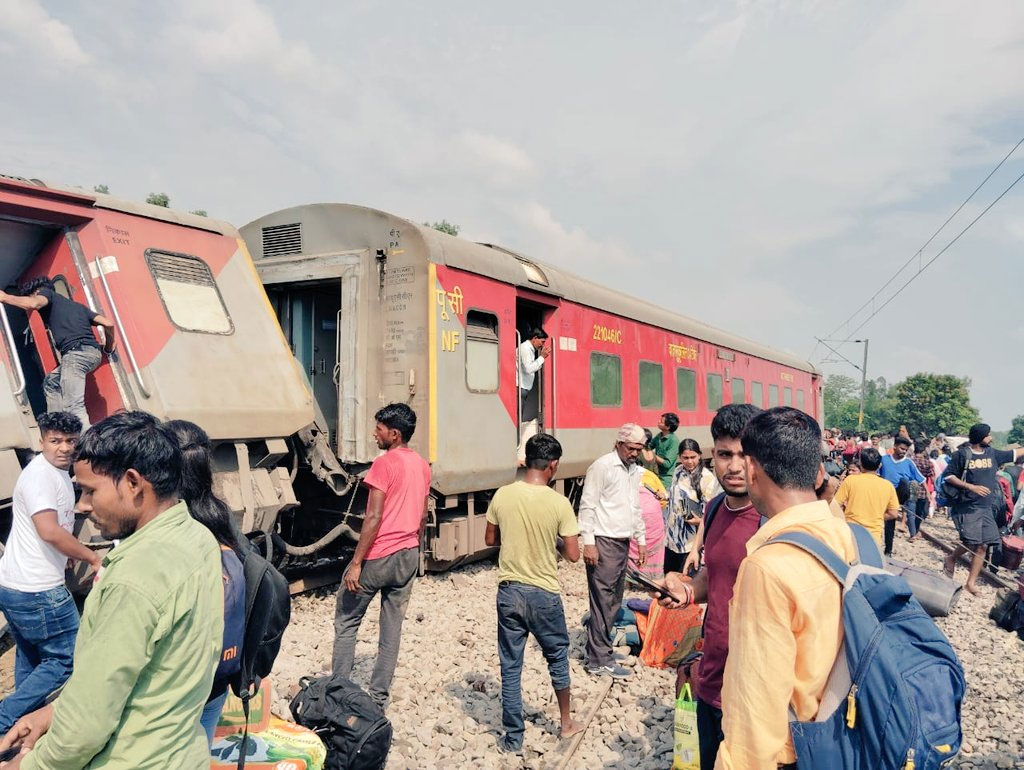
point(536, 412)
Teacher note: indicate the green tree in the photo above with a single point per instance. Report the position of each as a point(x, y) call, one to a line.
point(444, 226)
point(101, 188)
point(934, 403)
point(839, 391)
point(1016, 435)
point(199, 212)
point(159, 199)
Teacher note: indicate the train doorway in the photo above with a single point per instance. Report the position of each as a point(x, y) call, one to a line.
point(533, 412)
point(310, 314)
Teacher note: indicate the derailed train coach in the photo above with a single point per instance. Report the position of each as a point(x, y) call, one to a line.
point(378, 309)
point(196, 338)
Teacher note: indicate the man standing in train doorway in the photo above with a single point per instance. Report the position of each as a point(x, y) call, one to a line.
point(533, 352)
point(71, 324)
point(387, 556)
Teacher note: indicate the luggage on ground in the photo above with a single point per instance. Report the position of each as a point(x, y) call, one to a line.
point(864, 721)
point(280, 745)
point(1005, 610)
point(1013, 550)
point(357, 734)
point(663, 630)
point(936, 592)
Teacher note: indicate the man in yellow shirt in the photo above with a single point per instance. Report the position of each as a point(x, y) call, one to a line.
point(785, 626)
point(868, 499)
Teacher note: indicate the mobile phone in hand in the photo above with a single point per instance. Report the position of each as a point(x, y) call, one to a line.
point(8, 754)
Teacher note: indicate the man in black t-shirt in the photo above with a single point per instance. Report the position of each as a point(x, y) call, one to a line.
point(972, 514)
point(70, 323)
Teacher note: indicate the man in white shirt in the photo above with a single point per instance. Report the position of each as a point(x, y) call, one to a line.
point(41, 613)
point(533, 352)
point(609, 517)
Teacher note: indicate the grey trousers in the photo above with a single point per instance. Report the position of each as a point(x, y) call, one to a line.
point(391, 576)
point(64, 387)
point(605, 582)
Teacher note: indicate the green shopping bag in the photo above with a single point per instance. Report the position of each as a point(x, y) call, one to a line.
point(686, 753)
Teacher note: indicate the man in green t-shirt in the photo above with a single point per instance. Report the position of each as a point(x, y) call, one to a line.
point(526, 519)
point(666, 447)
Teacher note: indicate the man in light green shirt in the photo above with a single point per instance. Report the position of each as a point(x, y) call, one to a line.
point(666, 448)
point(152, 628)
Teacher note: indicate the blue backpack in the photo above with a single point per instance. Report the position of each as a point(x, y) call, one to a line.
point(893, 697)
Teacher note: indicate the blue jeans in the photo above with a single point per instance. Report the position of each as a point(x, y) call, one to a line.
point(211, 715)
point(43, 625)
point(64, 387)
point(524, 610)
point(917, 513)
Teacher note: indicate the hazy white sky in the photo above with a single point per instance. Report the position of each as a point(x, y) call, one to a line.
point(761, 166)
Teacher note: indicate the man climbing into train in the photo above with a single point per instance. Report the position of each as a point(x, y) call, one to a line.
point(71, 324)
point(523, 520)
point(387, 556)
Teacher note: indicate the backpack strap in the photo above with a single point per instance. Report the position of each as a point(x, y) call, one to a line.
point(829, 559)
point(867, 546)
point(709, 514)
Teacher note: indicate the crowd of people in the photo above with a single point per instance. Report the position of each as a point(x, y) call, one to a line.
point(156, 638)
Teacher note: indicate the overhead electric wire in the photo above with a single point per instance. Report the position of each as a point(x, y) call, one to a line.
point(918, 253)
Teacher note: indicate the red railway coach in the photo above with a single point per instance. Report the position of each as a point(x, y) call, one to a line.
point(379, 309)
point(196, 338)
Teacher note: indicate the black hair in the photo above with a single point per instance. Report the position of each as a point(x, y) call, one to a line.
point(35, 284)
point(903, 440)
point(671, 420)
point(541, 450)
point(689, 445)
point(398, 417)
point(59, 422)
point(537, 333)
point(786, 442)
point(197, 484)
point(731, 419)
point(650, 438)
point(921, 447)
point(934, 454)
point(863, 436)
point(1019, 460)
point(133, 440)
point(870, 459)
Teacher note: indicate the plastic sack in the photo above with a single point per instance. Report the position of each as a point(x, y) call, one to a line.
point(282, 746)
point(686, 751)
point(664, 631)
point(232, 718)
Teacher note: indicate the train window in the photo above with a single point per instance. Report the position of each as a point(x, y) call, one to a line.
point(757, 394)
point(739, 390)
point(189, 292)
point(800, 399)
point(605, 380)
point(773, 395)
point(787, 397)
point(714, 382)
point(651, 385)
point(481, 351)
point(686, 389)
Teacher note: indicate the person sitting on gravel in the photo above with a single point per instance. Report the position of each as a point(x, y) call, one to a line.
point(785, 626)
point(387, 556)
point(526, 519)
point(973, 469)
point(610, 515)
point(868, 499)
point(735, 521)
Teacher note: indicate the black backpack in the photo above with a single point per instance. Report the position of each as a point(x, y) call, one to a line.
point(268, 608)
point(357, 734)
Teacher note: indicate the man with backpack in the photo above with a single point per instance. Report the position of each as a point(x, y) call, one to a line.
point(729, 522)
point(816, 643)
point(387, 556)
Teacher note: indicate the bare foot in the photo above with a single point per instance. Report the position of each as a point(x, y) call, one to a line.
point(948, 565)
point(572, 728)
point(973, 590)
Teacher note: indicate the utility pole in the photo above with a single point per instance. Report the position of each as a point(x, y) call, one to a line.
point(863, 386)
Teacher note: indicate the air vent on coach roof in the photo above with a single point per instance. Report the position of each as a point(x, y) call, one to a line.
point(280, 240)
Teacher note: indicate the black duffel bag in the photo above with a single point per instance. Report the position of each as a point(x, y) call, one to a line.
point(350, 723)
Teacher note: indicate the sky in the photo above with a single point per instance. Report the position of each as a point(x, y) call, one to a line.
point(762, 166)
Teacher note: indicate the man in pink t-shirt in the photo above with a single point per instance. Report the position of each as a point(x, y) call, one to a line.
point(387, 556)
point(725, 539)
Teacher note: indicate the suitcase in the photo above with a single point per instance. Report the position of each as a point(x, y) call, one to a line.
point(1013, 550)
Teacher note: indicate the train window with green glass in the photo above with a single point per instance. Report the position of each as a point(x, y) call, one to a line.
point(773, 395)
point(787, 397)
point(651, 385)
point(605, 380)
point(686, 390)
point(714, 385)
point(739, 390)
point(481, 351)
point(800, 399)
point(757, 394)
